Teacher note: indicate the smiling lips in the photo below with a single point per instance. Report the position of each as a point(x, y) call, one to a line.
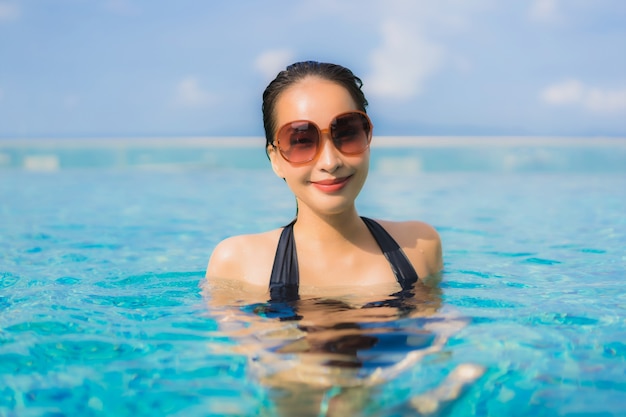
point(332, 185)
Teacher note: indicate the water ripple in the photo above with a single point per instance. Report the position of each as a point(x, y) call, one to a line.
point(85, 352)
point(562, 319)
point(482, 303)
point(8, 279)
point(133, 302)
point(67, 280)
point(45, 328)
point(148, 280)
point(541, 261)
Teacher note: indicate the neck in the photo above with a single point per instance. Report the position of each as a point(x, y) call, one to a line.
point(344, 226)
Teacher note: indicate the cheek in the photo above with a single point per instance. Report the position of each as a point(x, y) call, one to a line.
point(362, 167)
point(366, 159)
point(294, 176)
point(363, 162)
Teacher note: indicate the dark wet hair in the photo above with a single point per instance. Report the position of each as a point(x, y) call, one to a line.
point(299, 71)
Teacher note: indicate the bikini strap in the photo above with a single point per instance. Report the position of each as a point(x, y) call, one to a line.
point(400, 264)
point(285, 278)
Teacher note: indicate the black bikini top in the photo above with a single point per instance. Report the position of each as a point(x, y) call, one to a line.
point(285, 278)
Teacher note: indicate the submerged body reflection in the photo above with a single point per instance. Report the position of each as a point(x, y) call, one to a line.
point(327, 355)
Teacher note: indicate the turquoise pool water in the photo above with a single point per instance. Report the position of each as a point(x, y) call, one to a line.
point(101, 314)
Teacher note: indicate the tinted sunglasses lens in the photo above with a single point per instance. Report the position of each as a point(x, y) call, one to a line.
point(351, 133)
point(298, 141)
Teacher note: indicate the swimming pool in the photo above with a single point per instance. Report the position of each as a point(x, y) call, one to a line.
point(103, 244)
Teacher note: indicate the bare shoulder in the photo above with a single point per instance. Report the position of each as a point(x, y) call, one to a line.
point(421, 243)
point(246, 258)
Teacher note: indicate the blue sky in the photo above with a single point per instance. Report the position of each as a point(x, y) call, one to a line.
point(107, 68)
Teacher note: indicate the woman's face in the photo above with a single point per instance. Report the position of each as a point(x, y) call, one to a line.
point(330, 183)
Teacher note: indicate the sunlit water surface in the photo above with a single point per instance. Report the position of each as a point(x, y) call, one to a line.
point(101, 311)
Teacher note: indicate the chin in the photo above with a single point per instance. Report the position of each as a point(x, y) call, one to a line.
point(336, 207)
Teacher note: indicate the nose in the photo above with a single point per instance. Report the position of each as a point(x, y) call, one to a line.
point(329, 158)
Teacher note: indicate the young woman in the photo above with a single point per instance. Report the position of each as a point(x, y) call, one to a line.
point(337, 282)
point(318, 136)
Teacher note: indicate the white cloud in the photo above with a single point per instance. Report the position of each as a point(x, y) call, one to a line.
point(404, 61)
point(574, 93)
point(270, 63)
point(412, 47)
point(566, 92)
point(413, 36)
point(9, 11)
point(190, 94)
point(544, 10)
point(606, 101)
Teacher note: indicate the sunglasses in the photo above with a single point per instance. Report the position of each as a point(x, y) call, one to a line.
point(299, 141)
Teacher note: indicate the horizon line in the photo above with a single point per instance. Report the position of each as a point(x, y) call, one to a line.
point(382, 141)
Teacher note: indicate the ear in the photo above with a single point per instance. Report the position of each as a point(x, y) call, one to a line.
point(272, 152)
